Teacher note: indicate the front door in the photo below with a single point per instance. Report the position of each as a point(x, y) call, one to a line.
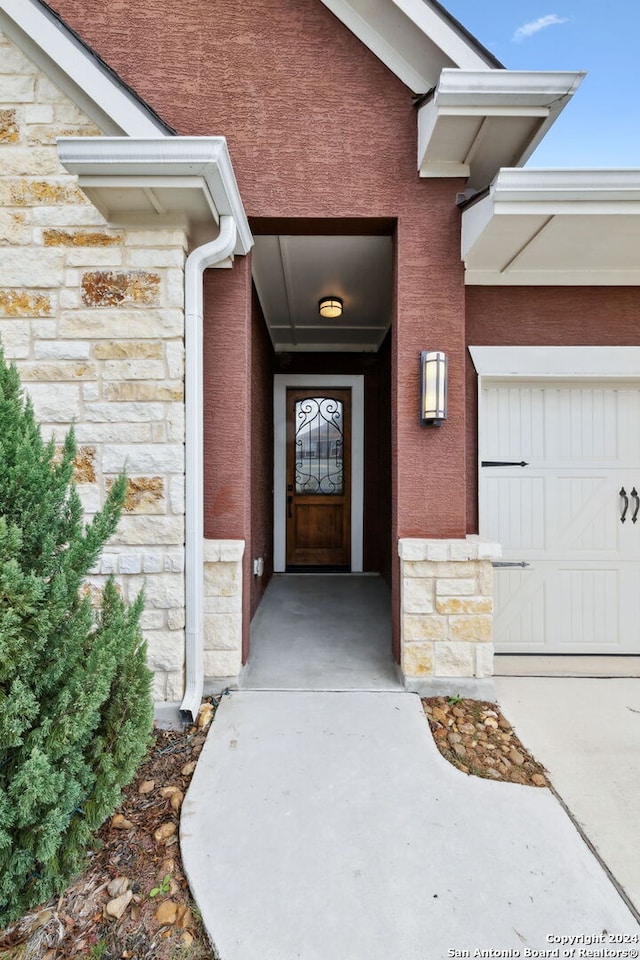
point(318, 477)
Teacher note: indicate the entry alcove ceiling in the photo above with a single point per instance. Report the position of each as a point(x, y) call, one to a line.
point(293, 273)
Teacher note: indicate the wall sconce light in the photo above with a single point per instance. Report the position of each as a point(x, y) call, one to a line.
point(330, 307)
point(433, 387)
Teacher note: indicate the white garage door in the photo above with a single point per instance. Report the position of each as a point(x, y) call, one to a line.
point(570, 514)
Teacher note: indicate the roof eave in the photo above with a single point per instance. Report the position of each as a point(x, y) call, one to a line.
point(478, 121)
point(155, 181)
point(555, 228)
point(415, 39)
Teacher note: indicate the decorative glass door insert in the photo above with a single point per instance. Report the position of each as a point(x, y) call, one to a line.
point(319, 446)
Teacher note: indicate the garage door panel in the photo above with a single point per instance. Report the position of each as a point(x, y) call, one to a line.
point(588, 606)
point(520, 605)
point(585, 520)
point(581, 425)
point(514, 507)
point(568, 608)
point(629, 425)
point(561, 513)
point(516, 416)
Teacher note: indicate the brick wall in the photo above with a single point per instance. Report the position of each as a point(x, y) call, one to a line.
point(93, 317)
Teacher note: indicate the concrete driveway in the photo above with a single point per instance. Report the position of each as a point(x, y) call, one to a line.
point(586, 732)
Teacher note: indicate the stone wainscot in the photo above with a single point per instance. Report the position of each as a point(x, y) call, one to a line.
point(446, 608)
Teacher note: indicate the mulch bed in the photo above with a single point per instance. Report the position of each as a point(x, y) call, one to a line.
point(135, 867)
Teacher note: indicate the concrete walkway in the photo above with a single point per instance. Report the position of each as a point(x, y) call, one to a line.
point(326, 826)
point(586, 732)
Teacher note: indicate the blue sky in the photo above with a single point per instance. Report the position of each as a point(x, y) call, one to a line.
point(600, 127)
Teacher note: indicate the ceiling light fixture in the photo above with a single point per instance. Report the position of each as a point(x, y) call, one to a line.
point(330, 307)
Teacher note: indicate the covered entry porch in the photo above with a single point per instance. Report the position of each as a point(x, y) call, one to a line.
point(322, 632)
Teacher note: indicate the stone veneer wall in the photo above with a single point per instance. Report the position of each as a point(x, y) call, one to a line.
point(222, 612)
point(94, 319)
point(446, 608)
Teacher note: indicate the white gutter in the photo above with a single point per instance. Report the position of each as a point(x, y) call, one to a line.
point(196, 171)
point(208, 255)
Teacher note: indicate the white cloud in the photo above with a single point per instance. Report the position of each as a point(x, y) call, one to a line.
point(528, 29)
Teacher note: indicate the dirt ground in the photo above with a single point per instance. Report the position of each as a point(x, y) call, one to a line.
point(133, 903)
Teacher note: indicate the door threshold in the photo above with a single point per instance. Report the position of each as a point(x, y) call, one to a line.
point(560, 665)
point(326, 572)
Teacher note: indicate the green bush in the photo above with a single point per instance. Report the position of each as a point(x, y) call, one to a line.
point(75, 703)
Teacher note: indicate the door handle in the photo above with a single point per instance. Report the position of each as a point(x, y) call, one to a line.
point(289, 502)
point(623, 494)
point(636, 505)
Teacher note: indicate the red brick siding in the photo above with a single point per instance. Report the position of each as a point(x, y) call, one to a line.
point(261, 544)
point(317, 127)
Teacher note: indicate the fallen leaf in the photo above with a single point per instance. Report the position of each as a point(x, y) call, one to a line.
point(205, 716)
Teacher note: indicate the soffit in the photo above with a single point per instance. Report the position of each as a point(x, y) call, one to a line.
point(555, 227)
point(292, 273)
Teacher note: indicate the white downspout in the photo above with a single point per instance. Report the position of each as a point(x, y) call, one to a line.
point(197, 262)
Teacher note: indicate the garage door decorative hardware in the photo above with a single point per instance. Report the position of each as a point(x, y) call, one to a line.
point(636, 505)
point(504, 463)
point(623, 494)
point(510, 563)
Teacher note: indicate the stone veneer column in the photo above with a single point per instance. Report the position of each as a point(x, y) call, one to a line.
point(446, 607)
point(222, 612)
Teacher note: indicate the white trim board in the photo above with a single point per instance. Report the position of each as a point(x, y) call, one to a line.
point(554, 362)
point(281, 382)
point(413, 38)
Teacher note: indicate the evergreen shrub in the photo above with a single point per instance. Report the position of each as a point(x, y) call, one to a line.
point(75, 703)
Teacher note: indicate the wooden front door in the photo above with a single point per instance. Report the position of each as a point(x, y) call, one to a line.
point(319, 477)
